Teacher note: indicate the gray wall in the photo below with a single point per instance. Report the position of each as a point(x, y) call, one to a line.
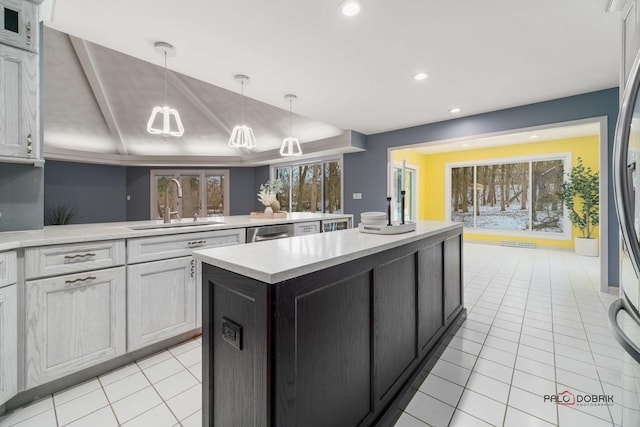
point(364, 172)
point(21, 197)
point(97, 192)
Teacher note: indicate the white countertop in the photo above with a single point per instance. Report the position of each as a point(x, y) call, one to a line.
point(273, 261)
point(59, 234)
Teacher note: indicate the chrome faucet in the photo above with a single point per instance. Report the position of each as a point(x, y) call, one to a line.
point(167, 210)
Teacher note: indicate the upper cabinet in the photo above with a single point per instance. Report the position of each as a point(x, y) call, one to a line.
point(19, 83)
point(19, 24)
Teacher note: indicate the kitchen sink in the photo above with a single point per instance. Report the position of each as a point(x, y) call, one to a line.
point(175, 225)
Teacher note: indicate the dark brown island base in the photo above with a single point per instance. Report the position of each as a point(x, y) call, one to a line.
point(327, 330)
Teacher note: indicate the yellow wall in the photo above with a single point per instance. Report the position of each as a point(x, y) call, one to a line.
point(431, 175)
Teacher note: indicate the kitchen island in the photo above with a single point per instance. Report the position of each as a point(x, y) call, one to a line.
point(325, 329)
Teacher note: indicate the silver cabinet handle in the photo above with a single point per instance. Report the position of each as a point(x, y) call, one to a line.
point(193, 267)
point(29, 145)
point(80, 279)
point(198, 242)
point(83, 256)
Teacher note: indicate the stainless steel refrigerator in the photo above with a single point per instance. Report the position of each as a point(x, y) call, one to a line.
point(624, 313)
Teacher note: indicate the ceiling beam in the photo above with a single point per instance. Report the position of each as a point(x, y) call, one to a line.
point(93, 77)
point(182, 87)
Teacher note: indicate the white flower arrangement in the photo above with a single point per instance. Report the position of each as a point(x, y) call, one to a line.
point(268, 192)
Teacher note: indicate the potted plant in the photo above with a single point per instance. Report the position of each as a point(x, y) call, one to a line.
point(580, 194)
point(268, 195)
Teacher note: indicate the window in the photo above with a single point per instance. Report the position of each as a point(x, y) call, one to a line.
point(311, 187)
point(205, 192)
point(518, 195)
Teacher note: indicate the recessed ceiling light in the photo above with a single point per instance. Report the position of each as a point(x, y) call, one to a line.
point(420, 76)
point(455, 110)
point(465, 145)
point(533, 136)
point(351, 7)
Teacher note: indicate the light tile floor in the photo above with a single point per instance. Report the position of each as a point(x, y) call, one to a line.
point(536, 325)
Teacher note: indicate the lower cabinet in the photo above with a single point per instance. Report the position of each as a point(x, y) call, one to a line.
point(8, 343)
point(160, 300)
point(73, 322)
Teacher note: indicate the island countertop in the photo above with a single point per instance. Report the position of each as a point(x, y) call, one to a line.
point(274, 261)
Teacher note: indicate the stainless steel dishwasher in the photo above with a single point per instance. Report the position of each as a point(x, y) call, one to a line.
point(269, 232)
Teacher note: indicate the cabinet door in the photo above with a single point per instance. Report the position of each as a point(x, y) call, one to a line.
point(8, 344)
point(18, 103)
point(18, 26)
point(452, 275)
point(73, 322)
point(160, 301)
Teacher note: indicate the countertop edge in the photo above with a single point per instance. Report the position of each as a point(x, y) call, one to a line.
point(273, 278)
point(80, 233)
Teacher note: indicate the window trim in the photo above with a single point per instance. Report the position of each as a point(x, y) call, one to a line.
point(153, 194)
point(322, 160)
point(566, 157)
point(414, 187)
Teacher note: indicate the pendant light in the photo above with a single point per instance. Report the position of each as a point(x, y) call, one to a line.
point(290, 146)
point(242, 135)
point(168, 127)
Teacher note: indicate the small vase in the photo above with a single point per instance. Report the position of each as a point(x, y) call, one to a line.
point(268, 210)
point(275, 206)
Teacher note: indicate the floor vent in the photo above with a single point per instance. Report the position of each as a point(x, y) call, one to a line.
point(514, 244)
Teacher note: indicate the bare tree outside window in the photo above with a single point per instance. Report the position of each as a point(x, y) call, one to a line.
point(520, 196)
point(311, 187)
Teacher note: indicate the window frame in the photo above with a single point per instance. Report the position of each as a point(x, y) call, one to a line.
point(413, 211)
point(202, 174)
point(322, 161)
point(566, 157)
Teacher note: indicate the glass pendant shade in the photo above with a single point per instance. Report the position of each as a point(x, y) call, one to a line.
point(165, 120)
point(242, 137)
point(164, 116)
point(290, 147)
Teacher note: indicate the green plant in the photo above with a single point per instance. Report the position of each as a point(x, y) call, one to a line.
point(583, 187)
point(273, 186)
point(60, 215)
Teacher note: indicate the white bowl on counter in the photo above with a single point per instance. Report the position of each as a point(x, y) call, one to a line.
point(373, 218)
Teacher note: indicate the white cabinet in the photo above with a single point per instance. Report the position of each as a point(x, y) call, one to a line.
point(7, 268)
point(8, 343)
point(160, 300)
point(176, 245)
point(19, 24)
point(309, 227)
point(54, 260)
point(19, 99)
point(73, 322)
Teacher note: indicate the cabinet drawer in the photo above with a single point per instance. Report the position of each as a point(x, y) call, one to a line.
point(73, 322)
point(63, 259)
point(7, 268)
point(310, 227)
point(178, 245)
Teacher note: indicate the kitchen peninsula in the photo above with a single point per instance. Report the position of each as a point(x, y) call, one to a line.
point(324, 329)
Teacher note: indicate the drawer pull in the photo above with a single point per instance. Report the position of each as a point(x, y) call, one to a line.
point(198, 242)
point(193, 267)
point(80, 279)
point(79, 256)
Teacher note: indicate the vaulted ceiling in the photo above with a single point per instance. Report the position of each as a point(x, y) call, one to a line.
point(349, 73)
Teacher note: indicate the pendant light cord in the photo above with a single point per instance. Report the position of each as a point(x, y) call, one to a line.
point(242, 103)
point(290, 117)
point(165, 78)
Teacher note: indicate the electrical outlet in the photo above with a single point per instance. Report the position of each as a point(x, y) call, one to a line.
point(232, 333)
point(128, 197)
point(357, 196)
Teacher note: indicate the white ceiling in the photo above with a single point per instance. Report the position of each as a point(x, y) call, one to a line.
point(356, 73)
